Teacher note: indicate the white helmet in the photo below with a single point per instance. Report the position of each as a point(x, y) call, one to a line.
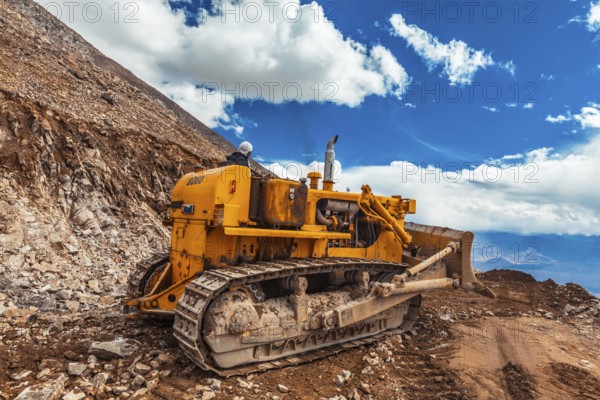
point(245, 148)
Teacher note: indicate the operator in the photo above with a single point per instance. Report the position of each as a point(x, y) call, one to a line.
point(241, 156)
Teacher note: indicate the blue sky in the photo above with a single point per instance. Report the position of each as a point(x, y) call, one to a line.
point(487, 113)
point(556, 69)
point(415, 89)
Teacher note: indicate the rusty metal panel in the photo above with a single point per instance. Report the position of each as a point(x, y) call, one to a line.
point(283, 203)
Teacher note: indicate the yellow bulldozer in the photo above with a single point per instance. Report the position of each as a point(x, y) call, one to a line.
point(266, 272)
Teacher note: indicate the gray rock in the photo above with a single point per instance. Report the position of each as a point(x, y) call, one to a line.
point(207, 395)
point(75, 394)
point(99, 380)
point(142, 369)
point(51, 390)
point(64, 294)
point(354, 394)
point(77, 369)
point(43, 373)
point(342, 378)
point(372, 360)
point(339, 380)
point(365, 387)
point(114, 349)
point(20, 375)
point(138, 382)
point(214, 384)
point(139, 394)
point(283, 388)
point(108, 97)
point(243, 384)
point(117, 390)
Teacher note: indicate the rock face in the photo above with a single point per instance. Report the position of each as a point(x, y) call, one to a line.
point(88, 156)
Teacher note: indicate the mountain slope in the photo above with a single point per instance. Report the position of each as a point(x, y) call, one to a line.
point(88, 155)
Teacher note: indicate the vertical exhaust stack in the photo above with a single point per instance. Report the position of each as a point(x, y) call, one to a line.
point(329, 164)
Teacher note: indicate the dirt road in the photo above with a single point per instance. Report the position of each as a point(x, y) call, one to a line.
point(525, 357)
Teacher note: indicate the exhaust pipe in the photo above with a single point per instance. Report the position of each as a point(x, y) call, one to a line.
point(329, 163)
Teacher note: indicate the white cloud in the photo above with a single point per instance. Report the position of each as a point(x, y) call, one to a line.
point(548, 77)
point(274, 51)
point(589, 117)
point(593, 17)
point(541, 191)
point(210, 109)
point(395, 77)
point(528, 106)
point(509, 66)
point(511, 105)
point(459, 61)
point(509, 157)
point(490, 109)
point(559, 119)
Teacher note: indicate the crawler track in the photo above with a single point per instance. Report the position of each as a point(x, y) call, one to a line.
point(199, 293)
point(137, 280)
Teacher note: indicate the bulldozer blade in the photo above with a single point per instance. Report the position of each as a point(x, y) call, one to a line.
point(432, 239)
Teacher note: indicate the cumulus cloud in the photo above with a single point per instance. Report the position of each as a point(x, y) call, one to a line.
point(212, 110)
point(541, 191)
point(588, 118)
point(241, 50)
point(559, 119)
point(459, 62)
point(593, 17)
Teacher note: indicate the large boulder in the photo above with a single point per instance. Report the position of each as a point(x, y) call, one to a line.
point(51, 390)
point(114, 349)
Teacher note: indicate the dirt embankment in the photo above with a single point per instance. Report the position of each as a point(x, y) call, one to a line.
point(538, 340)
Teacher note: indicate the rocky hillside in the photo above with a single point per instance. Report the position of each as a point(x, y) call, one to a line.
point(88, 155)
